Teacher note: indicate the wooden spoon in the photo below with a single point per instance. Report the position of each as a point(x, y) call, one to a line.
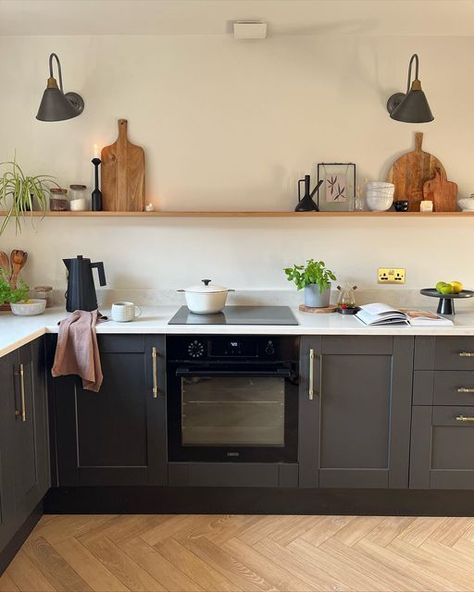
point(5, 264)
point(17, 260)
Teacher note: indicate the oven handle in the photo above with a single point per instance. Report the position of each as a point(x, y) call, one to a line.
point(280, 373)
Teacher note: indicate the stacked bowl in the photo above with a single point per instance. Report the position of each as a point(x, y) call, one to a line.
point(379, 195)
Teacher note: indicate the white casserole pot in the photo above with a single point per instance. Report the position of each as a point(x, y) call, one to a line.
point(206, 299)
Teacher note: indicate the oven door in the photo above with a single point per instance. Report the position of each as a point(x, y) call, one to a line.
point(233, 414)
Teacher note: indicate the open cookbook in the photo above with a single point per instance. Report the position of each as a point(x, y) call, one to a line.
point(382, 314)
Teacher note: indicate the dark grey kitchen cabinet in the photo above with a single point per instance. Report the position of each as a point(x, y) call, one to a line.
point(30, 429)
point(7, 398)
point(355, 411)
point(118, 435)
point(442, 447)
point(24, 443)
point(442, 437)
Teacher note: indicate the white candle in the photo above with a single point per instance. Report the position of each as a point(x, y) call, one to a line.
point(426, 206)
point(96, 151)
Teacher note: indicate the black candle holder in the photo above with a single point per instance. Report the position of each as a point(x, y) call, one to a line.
point(97, 193)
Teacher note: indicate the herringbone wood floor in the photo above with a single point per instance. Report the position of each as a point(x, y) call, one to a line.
point(255, 553)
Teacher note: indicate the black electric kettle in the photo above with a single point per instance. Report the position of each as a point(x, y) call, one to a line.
point(80, 293)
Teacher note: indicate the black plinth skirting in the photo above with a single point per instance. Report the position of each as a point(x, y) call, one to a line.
point(244, 500)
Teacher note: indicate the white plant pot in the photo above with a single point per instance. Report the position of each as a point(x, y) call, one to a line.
point(316, 299)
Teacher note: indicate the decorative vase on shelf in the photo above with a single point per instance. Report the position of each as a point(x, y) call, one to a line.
point(314, 298)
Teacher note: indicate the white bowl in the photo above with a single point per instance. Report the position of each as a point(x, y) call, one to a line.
point(28, 309)
point(380, 194)
point(380, 185)
point(381, 190)
point(466, 204)
point(379, 204)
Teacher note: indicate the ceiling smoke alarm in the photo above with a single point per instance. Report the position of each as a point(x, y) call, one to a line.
point(250, 30)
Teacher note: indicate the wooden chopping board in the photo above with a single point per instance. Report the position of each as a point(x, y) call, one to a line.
point(317, 310)
point(441, 192)
point(410, 172)
point(123, 174)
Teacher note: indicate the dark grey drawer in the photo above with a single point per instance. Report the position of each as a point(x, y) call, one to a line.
point(456, 416)
point(444, 353)
point(443, 387)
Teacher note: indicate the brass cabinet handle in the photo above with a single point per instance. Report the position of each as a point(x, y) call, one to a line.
point(22, 412)
point(311, 375)
point(311, 390)
point(464, 389)
point(464, 418)
point(154, 355)
point(466, 354)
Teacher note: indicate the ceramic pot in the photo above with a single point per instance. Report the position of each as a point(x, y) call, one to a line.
point(206, 299)
point(314, 298)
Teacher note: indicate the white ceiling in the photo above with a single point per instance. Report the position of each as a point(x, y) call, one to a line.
point(214, 17)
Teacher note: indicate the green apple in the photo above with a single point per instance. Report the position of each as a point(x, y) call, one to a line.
point(446, 289)
point(440, 286)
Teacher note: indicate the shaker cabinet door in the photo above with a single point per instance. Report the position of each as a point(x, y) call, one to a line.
point(115, 436)
point(354, 428)
point(7, 417)
point(31, 441)
point(24, 447)
point(442, 447)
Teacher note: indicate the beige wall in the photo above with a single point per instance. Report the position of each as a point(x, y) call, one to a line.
point(233, 125)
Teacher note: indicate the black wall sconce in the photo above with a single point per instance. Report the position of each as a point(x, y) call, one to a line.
point(411, 107)
point(55, 105)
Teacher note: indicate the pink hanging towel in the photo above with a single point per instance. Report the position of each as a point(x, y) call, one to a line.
point(77, 351)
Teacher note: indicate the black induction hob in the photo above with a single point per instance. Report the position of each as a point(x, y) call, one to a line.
point(237, 315)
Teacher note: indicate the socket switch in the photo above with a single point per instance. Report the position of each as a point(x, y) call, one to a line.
point(391, 275)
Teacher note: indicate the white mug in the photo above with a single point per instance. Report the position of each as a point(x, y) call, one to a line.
point(123, 312)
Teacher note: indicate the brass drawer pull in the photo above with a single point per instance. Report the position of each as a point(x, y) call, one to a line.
point(311, 390)
point(22, 413)
point(464, 389)
point(466, 354)
point(311, 375)
point(154, 356)
point(464, 418)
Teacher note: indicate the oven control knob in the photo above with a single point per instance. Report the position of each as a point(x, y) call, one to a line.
point(196, 349)
point(270, 348)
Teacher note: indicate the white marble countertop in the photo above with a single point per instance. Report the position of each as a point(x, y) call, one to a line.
point(17, 331)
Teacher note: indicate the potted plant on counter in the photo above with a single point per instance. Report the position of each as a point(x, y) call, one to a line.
point(315, 278)
point(21, 194)
point(15, 298)
point(9, 294)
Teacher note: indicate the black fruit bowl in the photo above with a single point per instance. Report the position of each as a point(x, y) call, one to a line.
point(348, 311)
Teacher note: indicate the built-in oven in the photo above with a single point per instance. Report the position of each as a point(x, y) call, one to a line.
point(232, 398)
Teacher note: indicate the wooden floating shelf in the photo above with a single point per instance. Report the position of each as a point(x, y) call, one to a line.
point(212, 214)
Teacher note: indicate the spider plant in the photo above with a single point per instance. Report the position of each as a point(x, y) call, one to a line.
point(25, 192)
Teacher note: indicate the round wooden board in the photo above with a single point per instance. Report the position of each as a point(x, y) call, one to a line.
point(325, 309)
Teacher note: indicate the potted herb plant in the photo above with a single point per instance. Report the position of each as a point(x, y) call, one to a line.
point(315, 278)
point(20, 193)
point(8, 294)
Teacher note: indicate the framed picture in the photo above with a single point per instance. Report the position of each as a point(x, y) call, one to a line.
point(337, 192)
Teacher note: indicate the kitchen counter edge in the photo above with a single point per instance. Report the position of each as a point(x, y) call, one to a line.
point(18, 331)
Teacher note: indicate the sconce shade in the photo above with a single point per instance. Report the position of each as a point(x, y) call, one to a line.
point(55, 105)
point(413, 106)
